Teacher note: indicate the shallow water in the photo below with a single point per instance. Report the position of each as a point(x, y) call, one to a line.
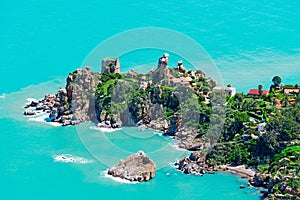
point(41, 42)
point(31, 166)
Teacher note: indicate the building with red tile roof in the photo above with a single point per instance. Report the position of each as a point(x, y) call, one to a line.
point(255, 92)
point(291, 91)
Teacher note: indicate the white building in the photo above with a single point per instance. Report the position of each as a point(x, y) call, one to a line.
point(231, 91)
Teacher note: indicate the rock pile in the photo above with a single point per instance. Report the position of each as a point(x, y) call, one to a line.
point(71, 105)
point(136, 167)
point(194, 164)
point(259, 180)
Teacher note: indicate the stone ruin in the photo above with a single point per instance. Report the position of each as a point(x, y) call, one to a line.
point(111, 65)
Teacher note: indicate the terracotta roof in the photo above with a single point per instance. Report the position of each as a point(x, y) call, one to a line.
point(291, 90)
point(256, 92)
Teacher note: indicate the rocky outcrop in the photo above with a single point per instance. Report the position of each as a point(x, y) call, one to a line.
point(29, 112)
point(260, 180)
point(81, 89)
point(136, 167)
point(180, 67)
point(71, 105)
point(283, 187)
point(161, 74)
point(109, 122)
point(41, 105)
point(194, 164)
point(103, 98)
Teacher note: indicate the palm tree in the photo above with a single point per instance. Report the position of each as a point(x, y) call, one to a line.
point(260, 89)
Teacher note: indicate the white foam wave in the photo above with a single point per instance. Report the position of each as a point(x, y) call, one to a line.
point(2, 96)
point(104, 129)
point(69, 158)
point(176, 146)
point(30, 99)
point(159, 133)
point(172, 164)
point(117, 179)
point(42, 117)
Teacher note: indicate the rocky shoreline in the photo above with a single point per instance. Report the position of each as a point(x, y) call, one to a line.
point(196, 164)
point(57, 108)
point(172, 100)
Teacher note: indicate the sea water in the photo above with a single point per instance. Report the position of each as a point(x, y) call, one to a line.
point(41, 41)
point(32, 167)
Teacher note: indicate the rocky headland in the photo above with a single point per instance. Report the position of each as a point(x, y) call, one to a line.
point(224, 130)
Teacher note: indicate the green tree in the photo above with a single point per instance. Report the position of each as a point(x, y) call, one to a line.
point(285, 102)
point(205, 90)
point(276, 80)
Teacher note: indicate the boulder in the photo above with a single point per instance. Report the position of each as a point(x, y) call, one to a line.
point(29, 112)
point(260, 180)
point(194, 164)
point(34, 103)
point(137, 167)
point(103, 124)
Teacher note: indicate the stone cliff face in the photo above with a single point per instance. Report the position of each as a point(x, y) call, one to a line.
point(73, 104)
point(164, 99)
point(82, 93)
point(60, 108)
point(112, 100)
point(136, 167)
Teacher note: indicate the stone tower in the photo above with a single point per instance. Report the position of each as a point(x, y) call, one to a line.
point(161, 74)
point(180, 67)
point(163, 61)
point(111, 65)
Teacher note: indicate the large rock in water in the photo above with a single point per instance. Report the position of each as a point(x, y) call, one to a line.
point(136, 167)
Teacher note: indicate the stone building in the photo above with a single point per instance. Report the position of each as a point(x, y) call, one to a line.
point(182, 81)
point(231, 91)
point(131, 74)
point(111, 65)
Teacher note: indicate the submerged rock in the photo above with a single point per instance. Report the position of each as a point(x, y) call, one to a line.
point(136, 167)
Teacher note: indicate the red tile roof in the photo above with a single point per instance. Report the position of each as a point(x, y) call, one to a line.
point(291, 90)
point(255, 92)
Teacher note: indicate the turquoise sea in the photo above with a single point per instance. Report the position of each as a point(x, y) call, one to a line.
point(42, 41)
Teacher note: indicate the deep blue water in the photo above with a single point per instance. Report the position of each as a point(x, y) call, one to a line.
point(249, 42)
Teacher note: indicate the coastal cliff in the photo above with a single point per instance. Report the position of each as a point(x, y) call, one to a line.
point(159, 99)
point(223, 128)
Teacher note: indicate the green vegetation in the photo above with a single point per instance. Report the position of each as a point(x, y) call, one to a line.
point(276, 80)
point(262, 132)
point(273, 148)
